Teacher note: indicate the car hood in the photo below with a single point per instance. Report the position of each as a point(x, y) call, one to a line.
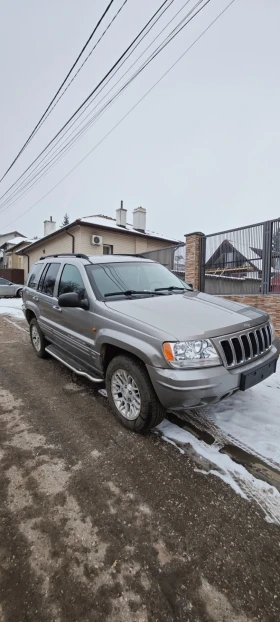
point(190, 315)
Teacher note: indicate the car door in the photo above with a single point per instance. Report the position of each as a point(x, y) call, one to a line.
point(5, 287)
point(73, 326)
point(46, 300)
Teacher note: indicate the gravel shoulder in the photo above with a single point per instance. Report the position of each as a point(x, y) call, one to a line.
point(99, 524)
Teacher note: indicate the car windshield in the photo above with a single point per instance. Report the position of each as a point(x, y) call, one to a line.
point(127, 279)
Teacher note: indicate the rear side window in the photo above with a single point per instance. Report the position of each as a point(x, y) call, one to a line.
point(34, 275)
point(71, 281)
point(48, 283)
point(41, 280)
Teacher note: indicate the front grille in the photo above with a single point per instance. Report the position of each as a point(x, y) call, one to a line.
point(245, 346)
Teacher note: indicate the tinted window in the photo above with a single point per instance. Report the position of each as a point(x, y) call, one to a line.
point(41, 280)
point(50, 277)
point(4, 282)
point(71, 281)
point(34, 275)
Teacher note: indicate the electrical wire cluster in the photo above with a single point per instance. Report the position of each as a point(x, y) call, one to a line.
point(96, 105)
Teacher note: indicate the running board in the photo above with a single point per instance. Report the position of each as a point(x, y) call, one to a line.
point(70, 363)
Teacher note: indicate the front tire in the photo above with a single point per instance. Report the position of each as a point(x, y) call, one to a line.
point(37, 339)
point(19, 293)
point(131, 394)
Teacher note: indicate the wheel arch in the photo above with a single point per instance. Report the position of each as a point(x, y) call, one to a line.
point(109, 351)
point(30, 315)
point(109, 344)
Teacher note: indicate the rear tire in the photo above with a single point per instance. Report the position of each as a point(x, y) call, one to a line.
point(131, 394)
point(38, 340)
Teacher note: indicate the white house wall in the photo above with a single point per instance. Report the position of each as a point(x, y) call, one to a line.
point(123, 243)
point(56, 245)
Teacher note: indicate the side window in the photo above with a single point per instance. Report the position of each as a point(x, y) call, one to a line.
point(71, 281)
point(34, 275)
point(41, 280)
point(50, 277)
point(4, 281)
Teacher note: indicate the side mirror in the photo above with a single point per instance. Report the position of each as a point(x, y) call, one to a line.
point(72, 300)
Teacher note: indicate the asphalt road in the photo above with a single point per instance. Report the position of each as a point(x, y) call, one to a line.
point(98, 524)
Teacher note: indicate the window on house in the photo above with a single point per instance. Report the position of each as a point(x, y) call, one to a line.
point(49, 279)
point(71, 281)
point(34, 275)
point(107, 249)
point(229, 258)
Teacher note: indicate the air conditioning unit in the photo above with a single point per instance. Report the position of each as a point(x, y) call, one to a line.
point(96, 240)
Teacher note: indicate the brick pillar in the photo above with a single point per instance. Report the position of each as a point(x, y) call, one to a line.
point(193, 259)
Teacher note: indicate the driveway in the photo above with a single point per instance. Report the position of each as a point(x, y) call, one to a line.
point(98, 524)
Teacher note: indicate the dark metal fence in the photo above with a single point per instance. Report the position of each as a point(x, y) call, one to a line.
point(275, 258)
point(242, 261)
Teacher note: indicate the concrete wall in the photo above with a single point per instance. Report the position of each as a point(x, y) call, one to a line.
point(225, 285)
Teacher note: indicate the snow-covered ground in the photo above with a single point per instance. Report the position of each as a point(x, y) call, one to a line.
point(249, 420)
point(11, 306)
point(252, 419)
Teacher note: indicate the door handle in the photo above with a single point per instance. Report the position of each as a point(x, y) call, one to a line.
point(36, 298)
point(57, 308)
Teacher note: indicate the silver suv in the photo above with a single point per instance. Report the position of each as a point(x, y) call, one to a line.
point(133, 325)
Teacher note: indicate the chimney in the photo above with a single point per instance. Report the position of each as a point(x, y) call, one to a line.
point(49, 226)
point(139, 219)
point(121, 216)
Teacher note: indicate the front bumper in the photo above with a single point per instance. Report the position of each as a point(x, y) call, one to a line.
point(189, 388)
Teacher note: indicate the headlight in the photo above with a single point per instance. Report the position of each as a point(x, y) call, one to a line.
point(191, 353)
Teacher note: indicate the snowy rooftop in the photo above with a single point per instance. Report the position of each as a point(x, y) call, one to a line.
point(106, 221)
point(16, 240)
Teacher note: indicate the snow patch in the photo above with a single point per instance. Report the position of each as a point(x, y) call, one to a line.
point(236, 475)
point(11, 306)
point(251, 420)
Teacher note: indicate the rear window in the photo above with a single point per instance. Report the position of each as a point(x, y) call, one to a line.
point(34, 275)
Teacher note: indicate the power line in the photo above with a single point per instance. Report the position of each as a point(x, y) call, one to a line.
point(81, 66)
point(61, 86)
point(163, 44)
point(23, 183)
point(88, 97)
point(124, 116)
point(98, 114)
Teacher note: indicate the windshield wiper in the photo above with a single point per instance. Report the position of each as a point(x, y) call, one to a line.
point(170, 289)
point(133, 292)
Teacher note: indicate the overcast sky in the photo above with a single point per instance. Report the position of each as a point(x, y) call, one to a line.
point(201, 152)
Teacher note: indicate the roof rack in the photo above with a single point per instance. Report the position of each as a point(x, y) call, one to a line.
point(79, 255)
point(128, 255)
